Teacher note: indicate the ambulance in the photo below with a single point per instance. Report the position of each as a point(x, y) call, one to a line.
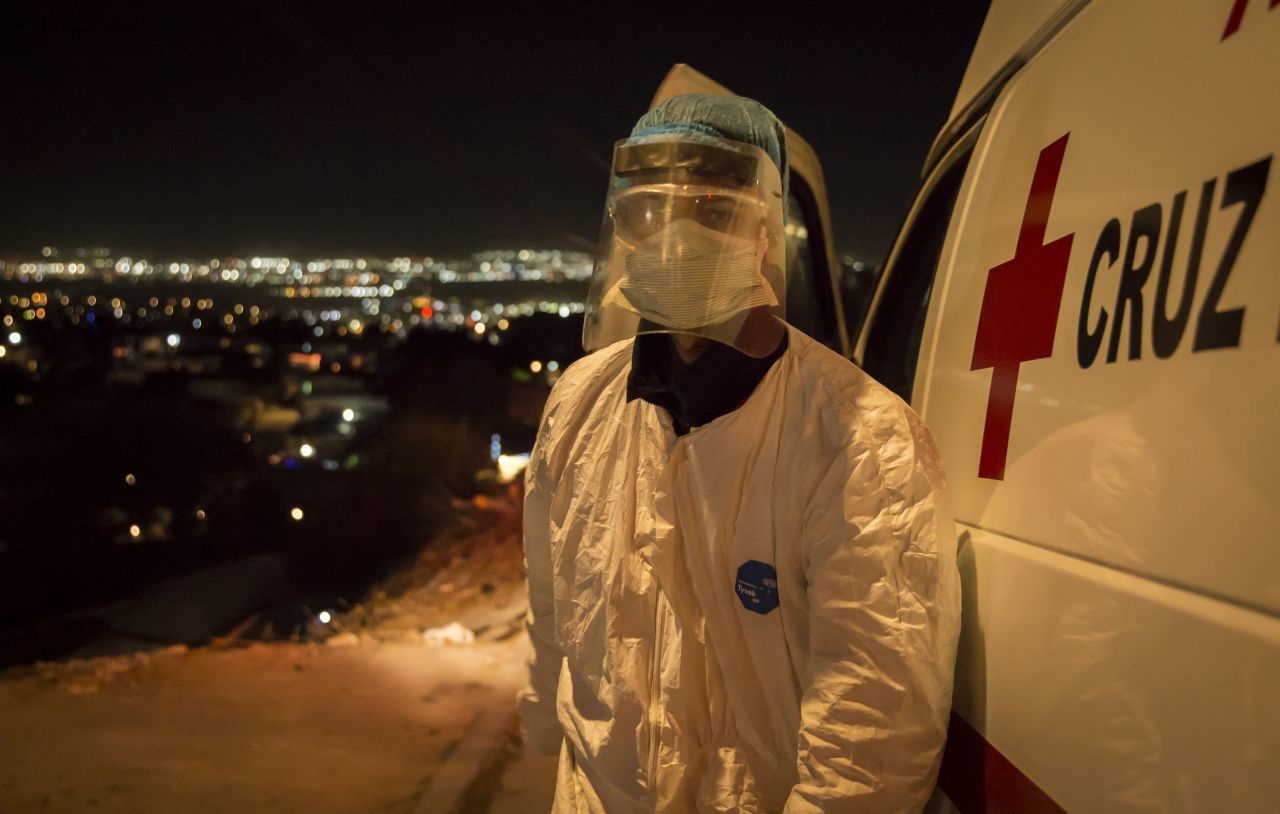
point(1084, 305)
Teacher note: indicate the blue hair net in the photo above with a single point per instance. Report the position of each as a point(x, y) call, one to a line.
point(731, 117)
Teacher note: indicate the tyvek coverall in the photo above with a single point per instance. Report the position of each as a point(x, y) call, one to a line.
point(760, 615)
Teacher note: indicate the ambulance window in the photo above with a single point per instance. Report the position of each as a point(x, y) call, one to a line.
point(893, 341)
point(809, 300)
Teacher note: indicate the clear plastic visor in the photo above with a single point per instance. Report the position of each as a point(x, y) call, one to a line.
point(692, 243)
point(642, 212)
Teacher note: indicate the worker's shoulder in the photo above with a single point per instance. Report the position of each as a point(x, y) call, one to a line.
point(583, 382)
point(858, 413)
point(836, 384)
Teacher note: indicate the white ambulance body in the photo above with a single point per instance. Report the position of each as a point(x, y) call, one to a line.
point(1084, 306)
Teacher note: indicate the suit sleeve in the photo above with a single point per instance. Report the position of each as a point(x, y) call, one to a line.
point(884, 618)
point(538, 698)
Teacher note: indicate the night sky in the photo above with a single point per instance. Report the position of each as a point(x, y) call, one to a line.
point(304, 128)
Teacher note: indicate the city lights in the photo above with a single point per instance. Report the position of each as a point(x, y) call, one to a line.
point(194, 324)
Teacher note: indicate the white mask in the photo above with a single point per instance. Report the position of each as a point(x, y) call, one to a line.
point(689, 276)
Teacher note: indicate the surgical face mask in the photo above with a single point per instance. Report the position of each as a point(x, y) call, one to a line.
point(688, 276)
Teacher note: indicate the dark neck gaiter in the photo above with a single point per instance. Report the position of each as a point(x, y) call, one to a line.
point(715, 383)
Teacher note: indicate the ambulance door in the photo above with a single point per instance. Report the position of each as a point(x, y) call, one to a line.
point(813, 292)
point(1094, 341)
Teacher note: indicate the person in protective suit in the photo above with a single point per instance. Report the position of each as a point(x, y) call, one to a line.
point(741, 564)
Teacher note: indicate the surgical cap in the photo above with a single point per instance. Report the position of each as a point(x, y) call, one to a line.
point(730, 117)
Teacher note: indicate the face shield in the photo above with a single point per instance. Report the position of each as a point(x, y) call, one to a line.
point(692, 243)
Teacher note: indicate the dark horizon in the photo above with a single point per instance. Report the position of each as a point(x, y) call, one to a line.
point(283, 129)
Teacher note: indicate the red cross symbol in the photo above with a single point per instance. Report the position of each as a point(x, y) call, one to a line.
point(1237, 15)
point(1020, 309)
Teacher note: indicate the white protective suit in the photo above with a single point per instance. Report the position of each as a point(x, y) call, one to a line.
point(760, 615)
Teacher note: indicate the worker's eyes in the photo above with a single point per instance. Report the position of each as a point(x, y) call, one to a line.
point(644, 215)
point(716, 212)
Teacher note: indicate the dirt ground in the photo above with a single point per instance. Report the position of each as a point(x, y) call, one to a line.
point(372, 720)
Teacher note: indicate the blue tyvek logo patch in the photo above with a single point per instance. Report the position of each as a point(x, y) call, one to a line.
point(757, 586)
